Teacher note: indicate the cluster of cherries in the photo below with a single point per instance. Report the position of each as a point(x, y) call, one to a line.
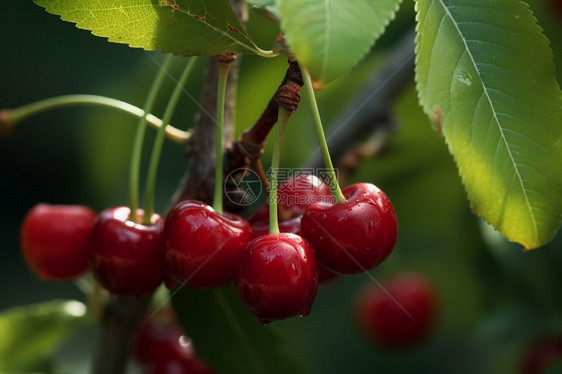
point(276, 275)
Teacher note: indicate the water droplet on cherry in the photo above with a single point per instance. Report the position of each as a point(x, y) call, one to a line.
point(305, 312)
point(293, 272)
point(372, 229)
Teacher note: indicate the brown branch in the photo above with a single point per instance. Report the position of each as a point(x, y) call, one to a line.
point(121, 319)
point(198, 182)
point(247, 150)
point(123, 315)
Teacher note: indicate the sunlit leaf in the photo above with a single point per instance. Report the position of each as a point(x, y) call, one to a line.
point(486, 78)
point(31, 334)
point(330, 37)
point(183, 27)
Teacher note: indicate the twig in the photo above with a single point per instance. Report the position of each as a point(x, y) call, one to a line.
point(122, 315)
point(121, 319)
point(247, 150)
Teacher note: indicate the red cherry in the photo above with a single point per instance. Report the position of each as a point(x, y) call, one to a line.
point(202, 245)
point(294, 195)
point(326, 276)
point(355, 235)
point(398, 313)
point(126, 257)
point(293, 226)
point(53, 240)
point(542, 354)
point(277, 276)
point(162, 348)
point(261, 215)
point(300, 191)
point(170, 283)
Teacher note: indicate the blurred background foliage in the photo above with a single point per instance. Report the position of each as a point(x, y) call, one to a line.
point(494, 298)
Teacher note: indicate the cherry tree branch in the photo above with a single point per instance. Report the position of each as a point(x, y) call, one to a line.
point(123, 315)
point(247, 150)
point(121, 319)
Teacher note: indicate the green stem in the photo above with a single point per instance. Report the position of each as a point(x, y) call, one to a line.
point(224, 67)
point(136, 153)
point(265, 53)
point(11, 117)
point(335, 187)
point(159, 142)
point(282, 121)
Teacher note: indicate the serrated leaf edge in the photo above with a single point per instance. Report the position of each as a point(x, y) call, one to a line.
point(532, 244)
point(110, 39)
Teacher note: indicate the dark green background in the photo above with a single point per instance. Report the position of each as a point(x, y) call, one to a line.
point(494, 299)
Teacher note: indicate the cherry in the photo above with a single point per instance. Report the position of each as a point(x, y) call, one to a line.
point(202, 245)
point(325, 276)
point(261, 215)
point(126, 257)
point(400, 312)
point(300, 191)
point(294, 195)
point(277, 276)
point(354, 235)
point(162, 348)
point(293, 226)
point(542, 354)
point(53, 240)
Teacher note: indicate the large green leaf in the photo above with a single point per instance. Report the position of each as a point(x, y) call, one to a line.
point(332, 36)
point(227, 336)
point(485, 76)
point(183, 27)
point(31, 334)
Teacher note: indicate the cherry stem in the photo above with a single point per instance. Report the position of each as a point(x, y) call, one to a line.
point(150, 186)
point(265, 53)
point(136, 152)
point(224, 67)
point(95, 302)
point(333, 182)
point(9, 118)
point(282, 121)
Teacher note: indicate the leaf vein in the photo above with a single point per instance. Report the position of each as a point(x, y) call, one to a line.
point(496, 120)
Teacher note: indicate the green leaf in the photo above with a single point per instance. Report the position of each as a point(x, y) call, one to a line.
point(31, 334)
point(260, 3)
point(330, 37)
point(267, 7)
point(183, 27)
point(227, 336)
point(485, 76)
